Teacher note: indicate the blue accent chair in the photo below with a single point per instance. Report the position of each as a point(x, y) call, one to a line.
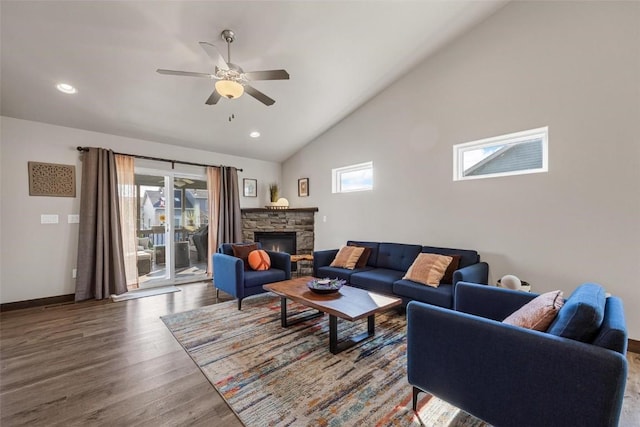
point(512, 376)
point(230, 275)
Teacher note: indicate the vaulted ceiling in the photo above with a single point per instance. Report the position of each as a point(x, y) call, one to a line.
point(339, 54)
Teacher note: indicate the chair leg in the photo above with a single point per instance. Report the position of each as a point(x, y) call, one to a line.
point(416, 390)
point(217, 293)
point(239, 303)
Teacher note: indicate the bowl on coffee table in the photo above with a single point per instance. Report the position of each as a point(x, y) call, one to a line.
point(325, 286)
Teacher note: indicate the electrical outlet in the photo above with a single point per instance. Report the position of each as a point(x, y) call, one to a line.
point(324, 218)
point(48, 219)
point(73, 219)
point(74, 273)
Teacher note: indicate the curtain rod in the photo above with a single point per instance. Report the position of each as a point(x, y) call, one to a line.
point(173, 162)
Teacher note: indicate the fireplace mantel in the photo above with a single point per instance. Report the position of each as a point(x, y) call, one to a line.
point(248, 210)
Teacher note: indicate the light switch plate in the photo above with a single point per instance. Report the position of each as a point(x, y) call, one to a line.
point(73, 219)
point(48, 219)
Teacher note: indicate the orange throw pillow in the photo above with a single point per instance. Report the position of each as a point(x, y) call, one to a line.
point(259, 260)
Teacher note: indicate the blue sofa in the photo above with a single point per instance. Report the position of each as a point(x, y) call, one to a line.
point(389, 262)
point(573, 374)
point(229, 273)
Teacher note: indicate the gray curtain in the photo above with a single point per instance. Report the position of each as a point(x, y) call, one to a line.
point(229, 221)
point(100, 252)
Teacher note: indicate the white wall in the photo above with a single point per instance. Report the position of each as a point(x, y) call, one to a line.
point(574, 66)
point(37, 259)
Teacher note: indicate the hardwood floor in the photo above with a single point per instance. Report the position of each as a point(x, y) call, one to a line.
point(103, 363)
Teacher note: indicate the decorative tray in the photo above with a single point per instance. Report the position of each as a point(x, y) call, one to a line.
point(325, 286)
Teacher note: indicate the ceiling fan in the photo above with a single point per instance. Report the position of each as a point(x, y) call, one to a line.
point(178, 182)
point(232, 81)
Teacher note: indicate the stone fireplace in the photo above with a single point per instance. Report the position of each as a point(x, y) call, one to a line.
point(275, 226)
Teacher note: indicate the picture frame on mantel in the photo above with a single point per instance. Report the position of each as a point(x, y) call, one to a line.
point(250, 187)
point(303, 187)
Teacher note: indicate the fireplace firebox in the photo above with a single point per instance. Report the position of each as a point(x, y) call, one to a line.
point(278, 241)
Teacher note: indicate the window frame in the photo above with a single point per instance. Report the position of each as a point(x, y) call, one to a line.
point(336, 175)
point(507, 139)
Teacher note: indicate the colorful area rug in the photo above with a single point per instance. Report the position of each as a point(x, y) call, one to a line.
point(274, 376)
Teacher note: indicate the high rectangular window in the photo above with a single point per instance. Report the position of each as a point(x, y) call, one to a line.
point(513, 154)
point(353, 178)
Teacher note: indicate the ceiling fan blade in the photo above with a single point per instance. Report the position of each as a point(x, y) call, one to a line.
point(213, 98)
point(187, 180)
point(214, 54)
point(258, 95)
point(267, 75)
point(185, 73)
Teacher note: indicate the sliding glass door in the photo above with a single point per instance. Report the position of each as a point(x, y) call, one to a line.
point(172, 226)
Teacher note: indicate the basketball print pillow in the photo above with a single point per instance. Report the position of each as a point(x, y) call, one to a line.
point(259, 260)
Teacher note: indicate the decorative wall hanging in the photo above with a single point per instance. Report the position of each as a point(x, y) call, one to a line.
point(50, 179)
point(250, 187)
point(303, 187)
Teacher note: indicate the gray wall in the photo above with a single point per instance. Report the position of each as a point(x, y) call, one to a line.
point(37, 259)
point(573, 66)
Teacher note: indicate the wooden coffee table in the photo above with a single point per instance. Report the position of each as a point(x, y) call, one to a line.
point(348, 303)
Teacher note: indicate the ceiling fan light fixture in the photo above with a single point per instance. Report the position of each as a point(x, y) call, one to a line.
point(229, 89)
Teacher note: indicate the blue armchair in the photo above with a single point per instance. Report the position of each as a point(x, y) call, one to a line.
point(511, 376)
point(230, 275)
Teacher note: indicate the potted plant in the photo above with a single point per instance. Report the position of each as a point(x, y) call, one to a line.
point(273, 191)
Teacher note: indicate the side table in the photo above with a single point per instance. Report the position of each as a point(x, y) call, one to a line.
point(301, 257)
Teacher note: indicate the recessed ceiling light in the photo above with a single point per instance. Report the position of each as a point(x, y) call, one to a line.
point(254, 134)
point(66, 88)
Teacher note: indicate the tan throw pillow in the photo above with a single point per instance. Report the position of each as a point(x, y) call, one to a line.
point(347, 257)
point(538, 313)
point(428, 269)
point(243, 251)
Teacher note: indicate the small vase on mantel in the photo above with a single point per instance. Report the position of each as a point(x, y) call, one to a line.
point(273, 191)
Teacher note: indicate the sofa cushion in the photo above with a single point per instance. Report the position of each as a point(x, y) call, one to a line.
point(538, 313)
point(347, 257)
point(226, 248)
point(453, 266)
point(339, 273)
point(376, 280)
point(242, 251)
point(143, 243)
point(441, 296)
point(259, 260)
point(428, 269)
point(467, 257)
point(581, 316)
point(373, 256)
point(364, 258)
point(397, 256)
point(258, 278)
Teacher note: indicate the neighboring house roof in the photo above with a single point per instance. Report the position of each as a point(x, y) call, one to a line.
point(192, 198)
point(527, 155)
point(154, 197)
